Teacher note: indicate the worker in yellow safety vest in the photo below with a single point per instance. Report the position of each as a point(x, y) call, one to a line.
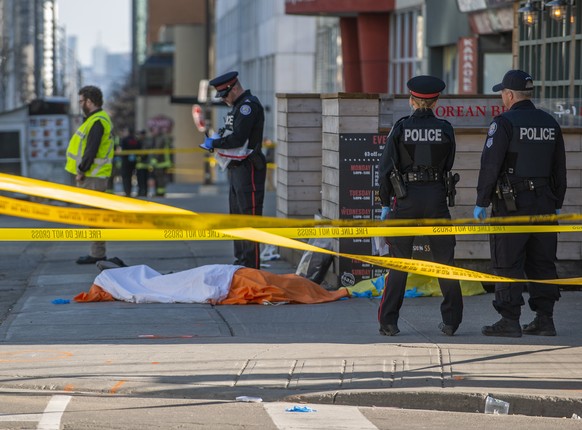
point(90, 154)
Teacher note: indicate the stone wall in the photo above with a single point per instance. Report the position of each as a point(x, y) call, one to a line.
point(298, 158)
point(308, 165)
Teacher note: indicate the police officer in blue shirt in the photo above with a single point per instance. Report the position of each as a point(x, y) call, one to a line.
point(419, 153)
point(239, 144)
point(523, 172)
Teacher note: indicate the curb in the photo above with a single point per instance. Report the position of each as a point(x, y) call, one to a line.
point(544, 406)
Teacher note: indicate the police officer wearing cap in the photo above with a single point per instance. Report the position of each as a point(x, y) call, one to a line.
point(523, 172)
point(239, 143)
point(419, 152)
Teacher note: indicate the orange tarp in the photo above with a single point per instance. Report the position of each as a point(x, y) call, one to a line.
point(253, 286)
point(257, 286)
point(95, 294)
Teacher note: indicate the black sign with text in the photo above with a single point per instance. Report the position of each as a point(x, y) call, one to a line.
point(358, 199)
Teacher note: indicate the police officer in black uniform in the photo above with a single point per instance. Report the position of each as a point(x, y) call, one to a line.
point(523, 172)
point(240, 143)
point(418, 155)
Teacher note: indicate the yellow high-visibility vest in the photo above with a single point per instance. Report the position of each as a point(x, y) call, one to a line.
point(102, 165)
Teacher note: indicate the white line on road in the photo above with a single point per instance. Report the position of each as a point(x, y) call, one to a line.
point(325, 417)
point(51, 417)
point(20, 417)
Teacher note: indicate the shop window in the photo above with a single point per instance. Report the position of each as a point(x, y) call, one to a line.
point(406, 48)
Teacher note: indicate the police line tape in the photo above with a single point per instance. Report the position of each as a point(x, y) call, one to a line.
point(300, 228)
point(66, 193)
point(222, 227)
point(420, 267)
point(211, 161)
point(126, 152)
point(160, 234)
point(157, 151)
point(160, 215)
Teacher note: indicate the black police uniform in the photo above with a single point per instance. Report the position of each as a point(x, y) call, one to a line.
point(128, 162)
point(244, 123)
point(525, 147)
point(421, 148)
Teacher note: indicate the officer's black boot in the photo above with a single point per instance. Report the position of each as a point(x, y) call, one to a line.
point(505, 327)
point(542, 325)
point(389, 329)
point(448, 329)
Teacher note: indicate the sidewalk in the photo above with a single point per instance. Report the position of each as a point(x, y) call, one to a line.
point(328, 353)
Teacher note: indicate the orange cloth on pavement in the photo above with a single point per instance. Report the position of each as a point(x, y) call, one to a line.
point(256, 286)
point(95, 294)
point(253, 286)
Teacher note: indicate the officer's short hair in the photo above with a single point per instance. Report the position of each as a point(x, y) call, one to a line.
point(521, 95)
point(92, 93)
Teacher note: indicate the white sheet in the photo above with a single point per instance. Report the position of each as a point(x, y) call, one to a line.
point(142, 284)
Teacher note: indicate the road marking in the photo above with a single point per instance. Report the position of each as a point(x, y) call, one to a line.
point(116, 387)
point(51, 417)
point(20, 417)
point(324, 417)
point(31, 356)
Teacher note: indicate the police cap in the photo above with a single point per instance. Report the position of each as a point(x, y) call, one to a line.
point(425, 86)
point(224, 83)
point(516, 80)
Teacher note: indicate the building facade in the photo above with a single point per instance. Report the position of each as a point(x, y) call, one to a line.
point(272, 51)
point(549, 46)
point(31, 48)
point(169, 59)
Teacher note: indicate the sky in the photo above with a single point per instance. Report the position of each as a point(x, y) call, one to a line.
point(105, 22)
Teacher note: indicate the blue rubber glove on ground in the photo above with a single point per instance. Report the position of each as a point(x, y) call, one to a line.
point(385, 212)
point(479, 213)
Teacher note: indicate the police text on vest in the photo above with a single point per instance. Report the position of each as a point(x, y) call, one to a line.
point(536, 133)
point(423, 135)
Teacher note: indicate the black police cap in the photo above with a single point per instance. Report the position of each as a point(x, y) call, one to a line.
point(425, 86)
point(516, 80)
point(224, 83)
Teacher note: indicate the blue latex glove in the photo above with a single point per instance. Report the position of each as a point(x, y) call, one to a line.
point(479, 213)
point(215, 135)
point(385, 212)
point(558, 211)
point(208, 144)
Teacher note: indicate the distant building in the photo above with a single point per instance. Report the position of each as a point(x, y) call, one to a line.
point(30, 47)
point(386, 42)
point(272, 51)
point(72, 73)
point(108, 70)
point(170, 42)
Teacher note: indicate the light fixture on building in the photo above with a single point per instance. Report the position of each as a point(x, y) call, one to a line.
point(558, 8)
point(530, 12)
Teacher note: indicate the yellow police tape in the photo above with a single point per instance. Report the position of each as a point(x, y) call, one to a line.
point(157, 151)
point(151, 221)
point(147, 215)
point(420, 267)
point(170, 151)
point(65, 193)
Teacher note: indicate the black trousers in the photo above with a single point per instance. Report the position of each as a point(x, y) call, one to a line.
point(246, 195)
point(525, 255)
point(424, 200)
point(127, 170)
point(142, 182)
